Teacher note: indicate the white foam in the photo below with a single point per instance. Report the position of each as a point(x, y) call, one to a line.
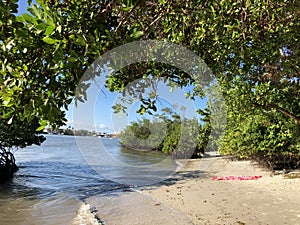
point(85, 216)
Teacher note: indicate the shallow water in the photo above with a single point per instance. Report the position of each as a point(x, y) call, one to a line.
point(54, 179)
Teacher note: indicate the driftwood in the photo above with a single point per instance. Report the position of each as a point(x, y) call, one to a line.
point(7, 165)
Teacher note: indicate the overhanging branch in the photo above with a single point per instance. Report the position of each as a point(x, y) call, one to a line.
point(280, 109)
point(286, 113)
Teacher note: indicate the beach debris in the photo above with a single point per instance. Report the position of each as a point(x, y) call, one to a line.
point(236, 177)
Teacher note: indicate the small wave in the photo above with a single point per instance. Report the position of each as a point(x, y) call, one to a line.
point(85, 216)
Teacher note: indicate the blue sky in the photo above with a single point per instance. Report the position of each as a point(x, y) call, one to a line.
point(99, 115)
point(23, 6)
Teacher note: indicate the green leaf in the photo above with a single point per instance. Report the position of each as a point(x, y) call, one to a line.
point(7, 115)
point(49, 30)
point(29, 18)
point(42, 126)
point(50, 41)
point(137, 34)
point(7, 101)
point(41, 3)
point(21, 19)
point(37, 11)
point(41, 26)
point(80, 41)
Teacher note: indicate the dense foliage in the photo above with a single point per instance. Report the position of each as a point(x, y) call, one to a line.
point(43, 55)
point(165, 136)
point(169, 133)
point(252, 46)
point(253, 49)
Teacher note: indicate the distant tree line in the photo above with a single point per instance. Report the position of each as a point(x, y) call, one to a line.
point(169, 133)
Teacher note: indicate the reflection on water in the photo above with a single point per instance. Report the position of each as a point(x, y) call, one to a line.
point(56, 210)
point(133, 157)
point(54, 177)
point(130, 167)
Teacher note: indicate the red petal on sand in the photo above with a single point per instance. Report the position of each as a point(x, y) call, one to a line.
point(236, 177)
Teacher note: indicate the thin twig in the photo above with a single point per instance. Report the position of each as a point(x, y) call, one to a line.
point(127, 15)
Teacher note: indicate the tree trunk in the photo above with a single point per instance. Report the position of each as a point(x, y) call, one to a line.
point(7, 165)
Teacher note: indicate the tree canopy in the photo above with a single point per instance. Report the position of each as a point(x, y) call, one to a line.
point(252, 47)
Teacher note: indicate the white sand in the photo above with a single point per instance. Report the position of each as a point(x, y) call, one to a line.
point(269, 200)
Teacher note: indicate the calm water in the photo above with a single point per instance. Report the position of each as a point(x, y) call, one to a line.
point(54, 178)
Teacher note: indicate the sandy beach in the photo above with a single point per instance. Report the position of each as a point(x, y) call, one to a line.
point(192, 197)
point(268, 200)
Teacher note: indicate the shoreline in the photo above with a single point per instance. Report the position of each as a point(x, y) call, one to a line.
point(192, 197)
point(85, 216)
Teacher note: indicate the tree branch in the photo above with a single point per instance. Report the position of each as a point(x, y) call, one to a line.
point(126, 16)
point(280, 109)
point(286, 113)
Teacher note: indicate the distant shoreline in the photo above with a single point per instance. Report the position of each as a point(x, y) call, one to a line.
point(78, 134)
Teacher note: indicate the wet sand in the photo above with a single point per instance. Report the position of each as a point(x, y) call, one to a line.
point(192, 197)
point(57, 210)
point(135, 208)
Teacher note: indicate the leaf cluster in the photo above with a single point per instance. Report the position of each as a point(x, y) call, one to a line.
point(180, 138)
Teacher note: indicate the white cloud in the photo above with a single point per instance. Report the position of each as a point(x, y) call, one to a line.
point(103, 126)
point(86, 125)
point(83, 125)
